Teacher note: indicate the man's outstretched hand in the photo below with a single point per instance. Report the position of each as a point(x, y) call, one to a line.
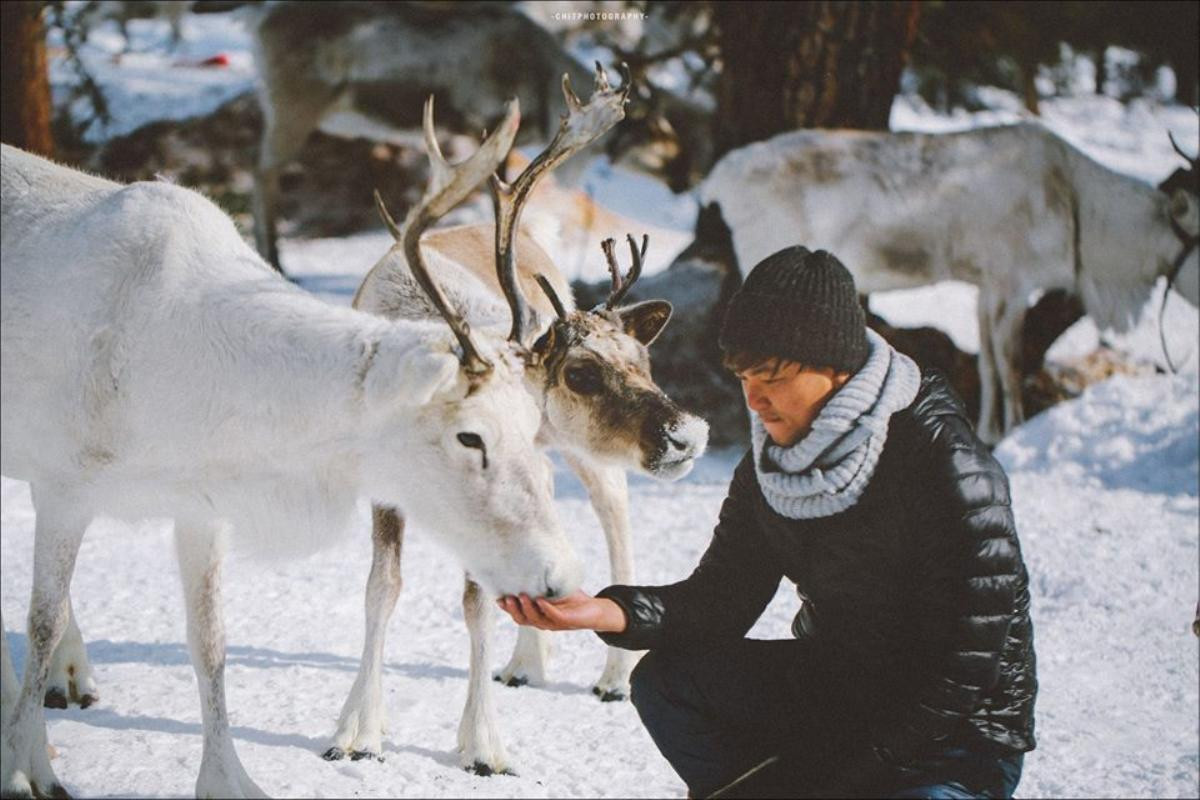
point(576, 611)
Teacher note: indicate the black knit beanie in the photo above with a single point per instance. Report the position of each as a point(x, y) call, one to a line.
point(798, 305)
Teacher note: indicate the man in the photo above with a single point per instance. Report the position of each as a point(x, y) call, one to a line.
point(912, 673)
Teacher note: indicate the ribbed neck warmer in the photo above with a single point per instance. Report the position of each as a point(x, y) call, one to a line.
point(827, 471)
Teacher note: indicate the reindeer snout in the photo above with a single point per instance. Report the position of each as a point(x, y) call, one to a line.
point(679, 446)
point(564, 577)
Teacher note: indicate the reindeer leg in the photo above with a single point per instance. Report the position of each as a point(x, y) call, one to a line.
point(10, 685)
point(25, 769)
point(71, 677)
point(361, 723)
point(1010, 321)
point(989, 428)
point(608, 490)
point(200, 551)
point(288, 122)
point(479, 746)
point(265, 204)
point(527, 667)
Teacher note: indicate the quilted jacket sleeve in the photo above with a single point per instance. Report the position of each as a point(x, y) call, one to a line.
point(722, 598)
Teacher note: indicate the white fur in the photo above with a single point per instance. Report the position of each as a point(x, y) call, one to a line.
point(153, 365)
point(1001, 208)
point(599, 459)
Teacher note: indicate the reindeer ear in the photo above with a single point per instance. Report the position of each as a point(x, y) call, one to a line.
point(644, 321)
point(410, 375)
point(545, 343)
point(1185, 210)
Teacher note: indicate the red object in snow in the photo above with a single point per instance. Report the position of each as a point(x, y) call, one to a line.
point(219, 60)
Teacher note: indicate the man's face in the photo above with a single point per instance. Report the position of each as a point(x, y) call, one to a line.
point(787, 396)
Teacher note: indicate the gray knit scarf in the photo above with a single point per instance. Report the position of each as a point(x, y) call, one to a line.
point(828, 470)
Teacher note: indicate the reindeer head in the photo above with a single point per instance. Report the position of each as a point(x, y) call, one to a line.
point(599, 394)
point(1182, 189)
point(462, 461)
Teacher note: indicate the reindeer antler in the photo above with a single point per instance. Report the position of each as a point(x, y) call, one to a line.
point(448, 186)
point(552, 295)
point(581, 125)
point(621, 285)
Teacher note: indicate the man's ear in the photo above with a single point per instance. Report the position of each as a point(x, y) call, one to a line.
point(644, 321)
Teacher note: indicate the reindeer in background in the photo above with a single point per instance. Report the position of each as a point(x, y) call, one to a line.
point(153, 365)
point(1010, 209)
point(361, 69)
point(589, 373)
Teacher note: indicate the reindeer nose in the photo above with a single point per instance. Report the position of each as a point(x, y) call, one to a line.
point(678, 444)
point(551, 590)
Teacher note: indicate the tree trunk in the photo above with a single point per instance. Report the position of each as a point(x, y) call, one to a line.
point(1029, 87)
point(788, 65)
point(1101, 70)
point(24, 80)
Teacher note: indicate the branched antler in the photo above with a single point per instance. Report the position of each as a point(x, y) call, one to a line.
point(579, 127)
point(448, 186)
point(620, 286)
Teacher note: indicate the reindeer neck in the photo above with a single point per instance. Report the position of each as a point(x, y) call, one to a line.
point(289, 371)
point(1122, 241)
point(1121, 218)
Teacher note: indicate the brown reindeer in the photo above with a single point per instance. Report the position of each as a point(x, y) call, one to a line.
point(589, 371)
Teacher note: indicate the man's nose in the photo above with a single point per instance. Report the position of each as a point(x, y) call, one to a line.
point(755, 399)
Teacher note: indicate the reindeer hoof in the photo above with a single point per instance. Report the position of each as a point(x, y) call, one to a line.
point(484, 771)
point(18, 794)
point(86, 700)
point(516, 681)
point(608, 695)
point(359, 755)
point(55, 698)
point(58, 791)
point(334, 754)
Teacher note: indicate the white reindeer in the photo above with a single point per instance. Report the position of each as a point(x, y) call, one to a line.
point(1010, 209)
point(153, 365)
point(590, 376)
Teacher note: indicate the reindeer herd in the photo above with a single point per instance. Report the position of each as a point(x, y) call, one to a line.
point(154, 365)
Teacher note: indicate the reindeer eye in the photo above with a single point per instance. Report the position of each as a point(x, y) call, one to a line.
point(475, 442)
point(584, 379)
point(470, 440)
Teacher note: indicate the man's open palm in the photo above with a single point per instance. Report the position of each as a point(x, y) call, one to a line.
point(576, 611)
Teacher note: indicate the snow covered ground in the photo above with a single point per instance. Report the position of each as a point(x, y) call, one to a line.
point(1106, 493)
point(1105, 489)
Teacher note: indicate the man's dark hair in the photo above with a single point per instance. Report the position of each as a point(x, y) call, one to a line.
point(747, 360)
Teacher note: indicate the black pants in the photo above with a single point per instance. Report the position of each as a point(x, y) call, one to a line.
point(716, 713)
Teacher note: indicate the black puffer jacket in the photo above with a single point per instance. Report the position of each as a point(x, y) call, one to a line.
point(915, 600)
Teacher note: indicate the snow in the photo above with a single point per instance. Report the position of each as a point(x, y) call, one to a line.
point(151, 82)
point(1105, 489)
point(1105, 492)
